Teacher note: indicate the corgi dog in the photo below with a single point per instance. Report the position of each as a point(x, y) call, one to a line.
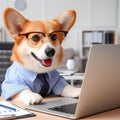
point(37, 50)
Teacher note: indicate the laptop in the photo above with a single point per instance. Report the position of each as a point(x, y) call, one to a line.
point(99, 90)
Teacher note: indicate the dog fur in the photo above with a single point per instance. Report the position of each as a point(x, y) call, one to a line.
point(21, 53)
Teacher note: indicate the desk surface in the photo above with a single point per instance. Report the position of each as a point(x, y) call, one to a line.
point(109, 115)
point(76, 76)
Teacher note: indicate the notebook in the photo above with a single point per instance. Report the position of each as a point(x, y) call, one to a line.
point(99, 90)
point(10, 111)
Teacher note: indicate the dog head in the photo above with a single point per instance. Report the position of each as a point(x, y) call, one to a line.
point(38, 43)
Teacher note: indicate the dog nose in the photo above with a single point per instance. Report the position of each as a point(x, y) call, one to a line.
point(50, 52)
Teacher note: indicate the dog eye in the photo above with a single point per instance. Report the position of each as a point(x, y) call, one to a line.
point(53, 37)
point(36, 38)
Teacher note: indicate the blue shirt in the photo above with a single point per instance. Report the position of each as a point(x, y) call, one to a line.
point(19, 78)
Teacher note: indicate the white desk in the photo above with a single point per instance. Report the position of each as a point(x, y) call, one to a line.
point(72, 78)
point(71, 75)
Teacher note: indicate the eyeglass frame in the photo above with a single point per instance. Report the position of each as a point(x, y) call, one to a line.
point(44, 35)
point(26, 34)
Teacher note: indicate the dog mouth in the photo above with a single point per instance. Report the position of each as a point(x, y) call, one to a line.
point(45, 62)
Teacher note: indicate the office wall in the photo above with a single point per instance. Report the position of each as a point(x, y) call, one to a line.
point(118, 21)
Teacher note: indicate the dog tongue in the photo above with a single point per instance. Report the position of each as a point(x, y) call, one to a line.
point(47, 62)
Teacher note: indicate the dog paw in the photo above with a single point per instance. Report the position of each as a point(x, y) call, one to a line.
point(28, 97)
point(32, 98)
point(70, 91)
point(75, 92)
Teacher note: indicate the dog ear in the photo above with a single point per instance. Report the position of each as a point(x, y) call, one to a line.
point(66, 19)
point(14, 21)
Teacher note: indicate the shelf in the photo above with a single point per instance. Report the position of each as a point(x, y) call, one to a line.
point(91, 37)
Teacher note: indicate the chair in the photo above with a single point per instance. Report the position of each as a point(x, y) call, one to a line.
point(5, 53)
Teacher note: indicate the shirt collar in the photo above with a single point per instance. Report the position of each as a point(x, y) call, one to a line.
point(26, 72)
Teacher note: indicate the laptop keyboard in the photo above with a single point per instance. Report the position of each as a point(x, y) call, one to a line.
point(69, 108)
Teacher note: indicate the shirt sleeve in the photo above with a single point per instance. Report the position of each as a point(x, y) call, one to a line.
point(12, 84)
point(60, 84)
point(9, 90)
